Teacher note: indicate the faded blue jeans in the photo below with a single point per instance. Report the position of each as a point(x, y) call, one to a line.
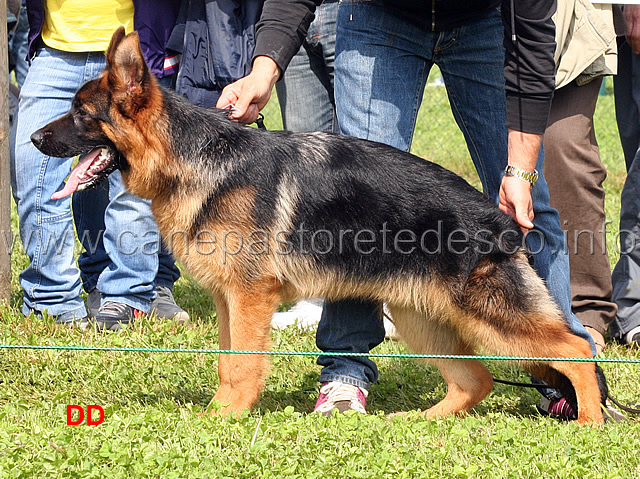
point(124, 265)
point(382, 64)
point(305, 92)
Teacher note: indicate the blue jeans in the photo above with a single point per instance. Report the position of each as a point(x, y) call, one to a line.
point(382, 65)
point(19, 45)
point(305, 91)
point(626, 274)
point(124, 264)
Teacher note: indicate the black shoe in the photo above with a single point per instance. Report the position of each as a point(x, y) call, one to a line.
point(112, 315)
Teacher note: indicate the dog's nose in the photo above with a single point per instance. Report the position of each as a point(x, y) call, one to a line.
point(37, 138)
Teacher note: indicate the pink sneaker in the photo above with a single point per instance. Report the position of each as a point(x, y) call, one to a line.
point(341, 396)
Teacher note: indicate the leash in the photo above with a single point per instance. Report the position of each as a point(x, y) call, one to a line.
point(259, 121)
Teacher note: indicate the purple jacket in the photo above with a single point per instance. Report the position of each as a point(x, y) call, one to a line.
point(152, 19)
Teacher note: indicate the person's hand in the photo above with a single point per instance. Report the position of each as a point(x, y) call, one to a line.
point(516, 201)
point(515, 193)
point(632, 18)
point(250, 94)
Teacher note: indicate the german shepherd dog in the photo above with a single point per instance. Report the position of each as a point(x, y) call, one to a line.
point(264, 217)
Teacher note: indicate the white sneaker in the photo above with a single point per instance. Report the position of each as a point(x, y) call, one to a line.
point(629, 338)
point(305, 314)
point(389, 328)
point(437, 82)
point(341, 396)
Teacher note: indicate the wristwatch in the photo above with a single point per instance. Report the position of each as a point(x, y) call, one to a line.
point(525, 175)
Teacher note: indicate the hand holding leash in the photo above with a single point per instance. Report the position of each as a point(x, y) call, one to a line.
point(250, 94)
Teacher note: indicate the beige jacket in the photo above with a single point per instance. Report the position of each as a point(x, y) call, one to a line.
point(586, 41)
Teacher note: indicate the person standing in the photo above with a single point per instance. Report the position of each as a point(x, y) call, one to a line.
point(67, 41)
point(572, 165)
point(626, 274)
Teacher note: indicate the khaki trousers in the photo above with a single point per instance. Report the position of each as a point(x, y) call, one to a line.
point(575, 174)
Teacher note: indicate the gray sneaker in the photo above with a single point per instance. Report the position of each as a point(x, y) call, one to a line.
point(113, 316)
point(165, 307)
point(93, 302)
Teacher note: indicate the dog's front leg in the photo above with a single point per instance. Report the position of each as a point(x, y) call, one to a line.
point(245, 325)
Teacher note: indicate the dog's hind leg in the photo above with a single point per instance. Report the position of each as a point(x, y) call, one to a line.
point(247, 327)
point(468, 381)
point(510, 312)
point(581, 375)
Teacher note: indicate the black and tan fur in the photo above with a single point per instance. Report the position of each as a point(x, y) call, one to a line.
point(208, 176)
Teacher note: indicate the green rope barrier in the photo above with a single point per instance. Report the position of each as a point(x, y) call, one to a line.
point(309, 353)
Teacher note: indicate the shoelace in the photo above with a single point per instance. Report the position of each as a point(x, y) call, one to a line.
point(164, 294)
point(113, 308)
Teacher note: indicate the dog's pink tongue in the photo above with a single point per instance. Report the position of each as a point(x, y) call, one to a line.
point(77, 175)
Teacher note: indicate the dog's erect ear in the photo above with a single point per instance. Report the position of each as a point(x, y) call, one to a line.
point(117, 37)
point(127, 70)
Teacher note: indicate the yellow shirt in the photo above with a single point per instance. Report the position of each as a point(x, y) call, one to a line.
point(84, 26)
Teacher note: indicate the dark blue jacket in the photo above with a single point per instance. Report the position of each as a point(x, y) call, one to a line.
point(216, 39)
point(152, 19)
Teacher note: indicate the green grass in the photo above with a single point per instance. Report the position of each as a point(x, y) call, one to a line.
point(152, 401)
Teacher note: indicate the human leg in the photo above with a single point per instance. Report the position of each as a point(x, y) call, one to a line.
point(131, 243)
point(305, 91)
point(131, 240)
point(305, 94)
point(575, 175)
point(94, 259)
point(626, 291)
point(626, 273)
point(88, 208)
point(19, 46)
point(51, 282)
point(369, 105)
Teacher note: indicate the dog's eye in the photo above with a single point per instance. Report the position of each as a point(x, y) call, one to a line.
point(81, 112)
